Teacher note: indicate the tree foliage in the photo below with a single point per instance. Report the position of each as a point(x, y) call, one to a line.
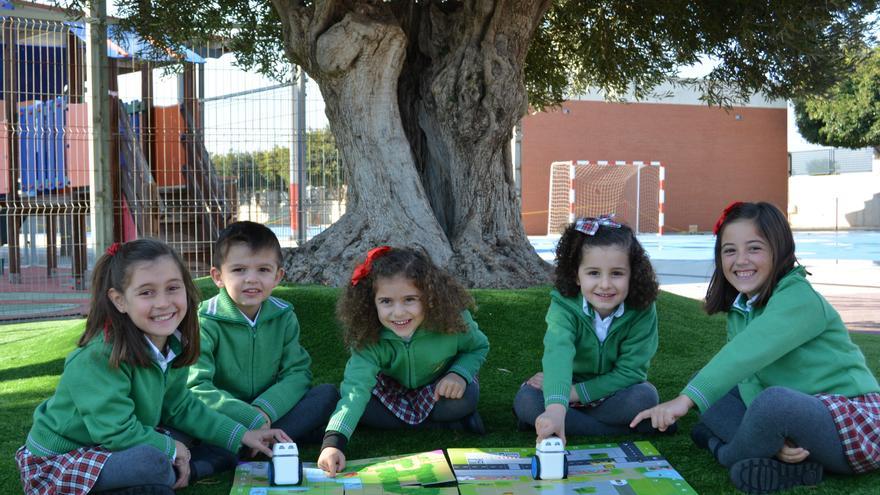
point(784, 48)
point(848, 114)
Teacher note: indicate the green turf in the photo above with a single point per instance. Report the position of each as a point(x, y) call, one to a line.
point(32, 354)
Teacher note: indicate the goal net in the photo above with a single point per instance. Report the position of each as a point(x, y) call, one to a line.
point(633, 192)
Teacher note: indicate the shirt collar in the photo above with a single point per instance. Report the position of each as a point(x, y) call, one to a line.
point(161, 359)
point(589, 311)
point(744, 303)
point(251, 322)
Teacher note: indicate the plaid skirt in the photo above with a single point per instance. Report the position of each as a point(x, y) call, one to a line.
point(412, 406)
point(72, 473)
point(858, 424)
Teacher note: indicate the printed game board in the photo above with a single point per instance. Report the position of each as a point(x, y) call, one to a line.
point(627, 468)
point(426, 473)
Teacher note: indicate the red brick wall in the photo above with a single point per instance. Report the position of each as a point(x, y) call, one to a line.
point(712, 156)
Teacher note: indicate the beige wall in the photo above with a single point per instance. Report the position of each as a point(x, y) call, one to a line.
point(835, 201)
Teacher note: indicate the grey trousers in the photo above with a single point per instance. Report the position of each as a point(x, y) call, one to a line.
point(777, 414)
point(611, 417)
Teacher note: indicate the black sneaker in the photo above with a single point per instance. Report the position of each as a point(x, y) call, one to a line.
point(523, 426)
point(701, 434)
point(758, 475)
point(474, 424)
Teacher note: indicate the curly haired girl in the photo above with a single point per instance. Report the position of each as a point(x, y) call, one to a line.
point(415, 351)
point(601, 336)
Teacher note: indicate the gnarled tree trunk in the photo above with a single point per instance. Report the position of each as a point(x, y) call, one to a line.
point(422, 98)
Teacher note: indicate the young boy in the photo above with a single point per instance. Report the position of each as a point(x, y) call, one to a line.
point(252, 367)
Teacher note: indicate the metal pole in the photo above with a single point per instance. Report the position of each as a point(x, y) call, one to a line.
point(638, 194)
point(100, 191)
point(299, 132)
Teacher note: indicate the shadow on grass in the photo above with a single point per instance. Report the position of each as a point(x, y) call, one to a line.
point(48, 368)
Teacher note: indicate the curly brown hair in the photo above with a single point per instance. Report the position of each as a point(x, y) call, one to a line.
point(444, 298)
point(643, 287)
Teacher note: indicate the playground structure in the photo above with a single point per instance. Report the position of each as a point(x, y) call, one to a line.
point(163, 183)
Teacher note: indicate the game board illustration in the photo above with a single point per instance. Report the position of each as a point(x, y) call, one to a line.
point(627, 468)
point(425, 473)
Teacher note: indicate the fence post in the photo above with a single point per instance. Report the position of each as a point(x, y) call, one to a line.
point(100, 181)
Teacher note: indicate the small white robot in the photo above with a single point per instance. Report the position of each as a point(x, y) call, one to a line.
point(550, 461)
point(287, 468)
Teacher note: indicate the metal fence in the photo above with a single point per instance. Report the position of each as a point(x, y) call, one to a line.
point(193, 147)
point(830, 161)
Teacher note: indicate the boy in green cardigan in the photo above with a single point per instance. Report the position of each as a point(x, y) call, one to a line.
point(252, 367)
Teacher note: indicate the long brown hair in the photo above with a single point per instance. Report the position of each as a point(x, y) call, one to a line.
point(443, 297)
point(774, 228)
point(113, 271)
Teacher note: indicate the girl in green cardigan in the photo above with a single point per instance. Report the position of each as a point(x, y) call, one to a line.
point(601, 335)
point(415, 351)
point(100, 430)
point(789, 395)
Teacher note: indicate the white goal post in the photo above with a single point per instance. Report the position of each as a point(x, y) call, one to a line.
point(632, 191)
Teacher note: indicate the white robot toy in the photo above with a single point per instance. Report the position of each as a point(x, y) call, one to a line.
point(287, 468)
point(550, 461)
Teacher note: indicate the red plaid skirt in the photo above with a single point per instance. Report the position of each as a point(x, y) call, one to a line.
point(858, 424)
point(72, 473)
point(412, 406)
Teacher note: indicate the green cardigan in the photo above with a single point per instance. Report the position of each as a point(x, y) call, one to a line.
point(119, 408)
point(797, 340)
point(572, 351)
point(241, 367)
point(416, 363)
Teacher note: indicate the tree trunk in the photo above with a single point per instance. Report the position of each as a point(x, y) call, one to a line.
point(422, 98)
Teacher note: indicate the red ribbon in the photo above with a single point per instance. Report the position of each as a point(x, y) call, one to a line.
point(113, 248)
point(730, 207)
point(364, 268)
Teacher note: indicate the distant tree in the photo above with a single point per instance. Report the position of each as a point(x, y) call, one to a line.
point(270, 169)
point(848, 114)
point(422, 95)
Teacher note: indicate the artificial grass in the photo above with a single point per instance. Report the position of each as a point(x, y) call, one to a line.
point(32, 356)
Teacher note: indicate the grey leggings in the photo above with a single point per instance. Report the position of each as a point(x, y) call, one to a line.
point(140, 465)
point(445, 414)
point(776, 414)
point(611, 417)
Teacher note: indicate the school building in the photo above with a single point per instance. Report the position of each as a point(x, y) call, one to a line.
point(710, 156)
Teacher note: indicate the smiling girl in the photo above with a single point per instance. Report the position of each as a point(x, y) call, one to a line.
point(789, 395)
point(601, 335)
point(415, 351)
point(100, 429)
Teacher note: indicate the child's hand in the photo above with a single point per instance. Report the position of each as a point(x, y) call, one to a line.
point(261, 440)
point(450, 386)
point(536, 381)
point(332, 461)
point(665, 414)
point(551, 422)
point(268, 423)
point(791, 453)
point(181, 465)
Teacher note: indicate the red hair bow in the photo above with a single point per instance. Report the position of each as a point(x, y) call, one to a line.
point(362, 270)
point(113, 248)
point(723, 217)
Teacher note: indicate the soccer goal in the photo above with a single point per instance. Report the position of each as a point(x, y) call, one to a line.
point(632, 191)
